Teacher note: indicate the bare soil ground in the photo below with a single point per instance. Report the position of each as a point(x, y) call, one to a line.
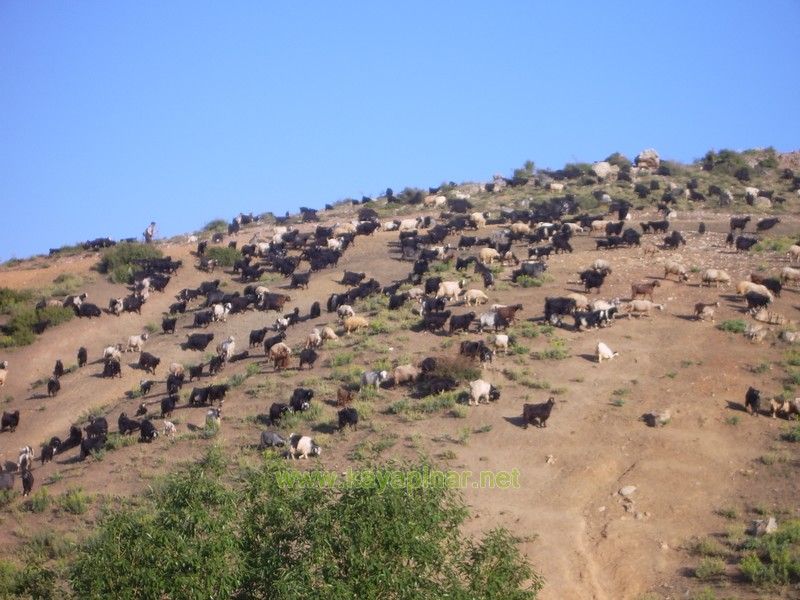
point(578, 531)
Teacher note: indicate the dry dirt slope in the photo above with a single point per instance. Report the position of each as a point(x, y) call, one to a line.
point(579, 534)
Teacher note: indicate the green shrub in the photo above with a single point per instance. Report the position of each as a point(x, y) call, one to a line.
point(774, 558)
point(66, 283)
point(39, 501)
point(776, 244)
point(115, 441)
point(216, 226)
point(526, 281)
point(379, 326)
point(236, 379)
point(7, 497)
point(36, 581)
point(710, 568)
point(438, 402)
point(707, 547)
point(224, 256)
point(733, 325)
point(117, 261)
point(340, 359)
point(793, 435)
point(556, 351)
point(73, 501)
point(619, 160)
point(10, 299)
point(197, 536)
point(55, 314)
point(252, 369)
point(459, 368)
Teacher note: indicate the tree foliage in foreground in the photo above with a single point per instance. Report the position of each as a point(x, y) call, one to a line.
point(201, 538)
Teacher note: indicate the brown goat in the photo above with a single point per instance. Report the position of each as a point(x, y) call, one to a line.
point(644, 289)
point(343, 396)
point(509, 312)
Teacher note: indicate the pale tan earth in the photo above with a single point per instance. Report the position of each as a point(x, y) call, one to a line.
point(577, 531)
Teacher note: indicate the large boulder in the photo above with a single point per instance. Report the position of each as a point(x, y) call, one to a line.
point(762, 202)
point(750, 194)
point(726, 197)
point(648, 159)
point(604, 169)
point(468, 189)
point(499, 182)
point(555, 187)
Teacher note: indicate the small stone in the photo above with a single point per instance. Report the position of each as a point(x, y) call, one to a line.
point(627, 490)
point(601, 509)
point(550, 459)
point(664, 546)
point(764, 526)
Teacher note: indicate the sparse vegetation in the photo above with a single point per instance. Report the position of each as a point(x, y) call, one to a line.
point(792, 435)
point(556, 351)
point(733, 325)
point(216, 226)
point(118, 261)
point(710, 568)
point(26, 320)
point(773, 559)
point(527, 282)
point(73, 501)
point(224, 256)
point(39, 501)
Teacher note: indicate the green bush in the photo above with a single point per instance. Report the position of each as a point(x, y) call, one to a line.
point(340, 359)
point(527, 281)
point(7, 497)
point(459, 368)
point(710, 568)
point(778, 244)
point(12, 299)
point(620, 160)
point(774, 558)
point(66, 283)
point(19, 331)
point(224, 256)
point(199, 537)
point(36, 581)
point(74, 501)
point(733, 325)
point(117, 261)
point(115, 441)
point(39, 501)
point(356, 554)
point(793, 435)
point(216, 226)
point(556, 351)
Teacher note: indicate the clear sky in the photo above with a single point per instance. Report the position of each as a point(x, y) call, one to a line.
point(113, 114)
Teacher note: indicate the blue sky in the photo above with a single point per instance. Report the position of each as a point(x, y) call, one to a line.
point(114, 114)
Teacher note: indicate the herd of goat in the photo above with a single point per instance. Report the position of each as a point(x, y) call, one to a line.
point(545, 231)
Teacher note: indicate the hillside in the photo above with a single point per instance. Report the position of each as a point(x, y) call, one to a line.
point(700, 480)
